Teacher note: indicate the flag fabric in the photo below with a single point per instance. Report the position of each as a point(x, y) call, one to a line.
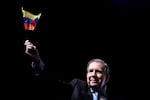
point(30, 20)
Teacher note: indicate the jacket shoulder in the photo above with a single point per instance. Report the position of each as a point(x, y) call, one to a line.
point(78, 82)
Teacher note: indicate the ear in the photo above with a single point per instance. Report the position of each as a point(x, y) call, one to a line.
point(107, 78)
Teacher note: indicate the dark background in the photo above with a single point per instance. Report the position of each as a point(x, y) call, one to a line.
point(71, 33)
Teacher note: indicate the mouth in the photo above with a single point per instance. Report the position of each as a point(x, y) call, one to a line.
point(93, 80)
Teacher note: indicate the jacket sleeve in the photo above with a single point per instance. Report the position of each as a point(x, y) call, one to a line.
point(38, 67)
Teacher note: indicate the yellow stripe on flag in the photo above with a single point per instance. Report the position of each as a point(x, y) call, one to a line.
point(29, 15)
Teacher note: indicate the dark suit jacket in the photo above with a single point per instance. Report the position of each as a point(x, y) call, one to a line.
point(80, 90)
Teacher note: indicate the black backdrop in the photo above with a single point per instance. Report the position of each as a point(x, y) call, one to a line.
point(71, 33)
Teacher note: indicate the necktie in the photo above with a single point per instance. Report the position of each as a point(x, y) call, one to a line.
point(95, 95)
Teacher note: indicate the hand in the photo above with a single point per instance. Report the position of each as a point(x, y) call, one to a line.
point(31, 50)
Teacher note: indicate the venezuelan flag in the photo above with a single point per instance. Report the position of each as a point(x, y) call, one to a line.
point(30, 20)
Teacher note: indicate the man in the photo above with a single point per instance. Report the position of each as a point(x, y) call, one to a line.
point(94, 88)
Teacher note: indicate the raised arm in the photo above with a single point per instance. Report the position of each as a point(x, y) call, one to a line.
point(37, 63)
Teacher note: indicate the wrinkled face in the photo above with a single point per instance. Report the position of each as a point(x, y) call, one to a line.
point(95, 74)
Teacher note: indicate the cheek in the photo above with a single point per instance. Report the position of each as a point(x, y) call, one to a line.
point(87, 77)
point(100, 76)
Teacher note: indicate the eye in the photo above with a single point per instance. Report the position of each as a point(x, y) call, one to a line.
point(91, 70)
point(99, 71)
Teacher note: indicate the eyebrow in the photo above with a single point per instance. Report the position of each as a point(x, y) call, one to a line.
point(95, 70)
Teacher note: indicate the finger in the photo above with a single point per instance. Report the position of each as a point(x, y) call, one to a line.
point(31, 47)
point(26, 40)
point(28, 43)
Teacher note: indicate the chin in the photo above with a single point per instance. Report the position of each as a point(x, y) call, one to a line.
point(93, 85)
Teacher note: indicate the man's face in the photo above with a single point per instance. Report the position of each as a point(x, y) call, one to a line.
point(95, 74)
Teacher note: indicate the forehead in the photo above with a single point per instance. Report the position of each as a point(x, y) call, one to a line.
point(96, 65)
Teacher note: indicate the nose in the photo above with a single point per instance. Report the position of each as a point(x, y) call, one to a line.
point(94, 73)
